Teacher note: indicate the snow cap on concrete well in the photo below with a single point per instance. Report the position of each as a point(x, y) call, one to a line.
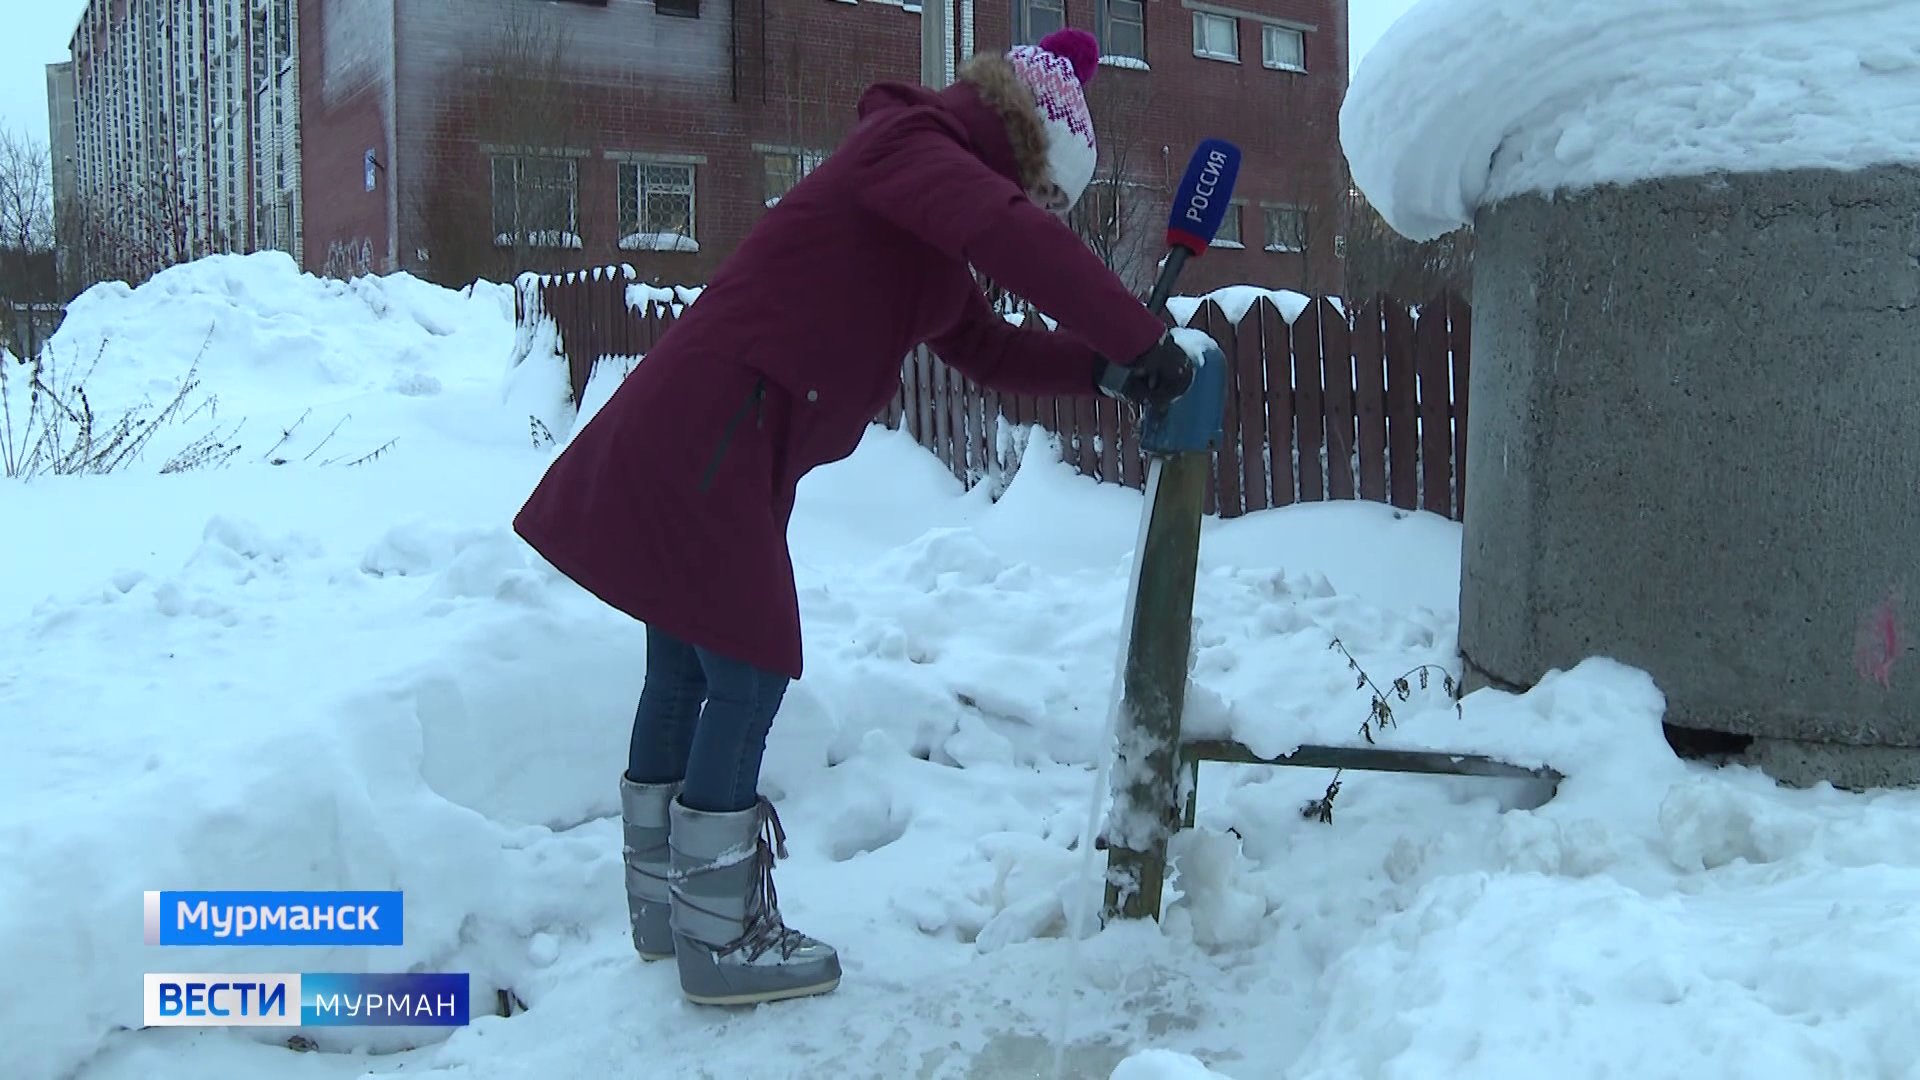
point(1463, 103)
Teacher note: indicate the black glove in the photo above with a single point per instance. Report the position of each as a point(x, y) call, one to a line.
point(1156, 377)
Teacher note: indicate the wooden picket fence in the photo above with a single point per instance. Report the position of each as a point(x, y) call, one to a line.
point(596, 315)
point(1367, 403)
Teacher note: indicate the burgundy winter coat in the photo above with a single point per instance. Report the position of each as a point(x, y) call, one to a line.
point(672, 503)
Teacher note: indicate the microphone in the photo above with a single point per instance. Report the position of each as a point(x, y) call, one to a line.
point(1199, 206)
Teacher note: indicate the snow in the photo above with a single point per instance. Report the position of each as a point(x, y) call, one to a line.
point(1196, 344)
point(659, 241)
point(547, 238)
point(1163, 1065)
point(676, 297)
point(1463, 103)
point(273, 335)
point(1236, 300)
point(355, 676)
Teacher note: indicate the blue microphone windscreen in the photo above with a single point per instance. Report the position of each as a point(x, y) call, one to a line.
point(1205, 191)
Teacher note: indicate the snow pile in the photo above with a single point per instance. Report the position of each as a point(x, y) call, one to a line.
point(1164, 1065)
point(346, 365)
point(301, 676)
point(659, 241)
point(1463, 103)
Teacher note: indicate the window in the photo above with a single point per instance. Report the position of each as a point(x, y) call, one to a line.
point(1283, 48)
point(683, 9)
point(1096, 217)
point(1216, 37)
point(535, 201)
point(1035, 19)
point(1286, 228)
point(1228, 235)
point(656, 206)
point(784, 168)
point(1123, 28)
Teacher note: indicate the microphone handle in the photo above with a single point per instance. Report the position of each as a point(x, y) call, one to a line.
point(1113, 375)
point(1177, 256)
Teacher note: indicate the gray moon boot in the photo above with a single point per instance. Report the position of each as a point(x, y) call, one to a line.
point(729, 940)
point(644, 826)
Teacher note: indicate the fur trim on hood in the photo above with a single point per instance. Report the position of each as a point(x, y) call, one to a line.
point(1002, 89)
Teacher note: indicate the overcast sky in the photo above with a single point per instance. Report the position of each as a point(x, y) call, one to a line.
point(38, 30)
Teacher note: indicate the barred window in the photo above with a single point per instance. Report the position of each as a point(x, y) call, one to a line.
point(1228, 235)
point(1286, 228)
point(657, 206)
point(535, 201)
point(1097, 214)
point(785, 168)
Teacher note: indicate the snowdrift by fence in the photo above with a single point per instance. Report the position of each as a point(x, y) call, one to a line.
point(248, 359)
point(1324, 401)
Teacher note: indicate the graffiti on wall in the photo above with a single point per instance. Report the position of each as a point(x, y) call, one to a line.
point(348, 259)
point(1879, 642)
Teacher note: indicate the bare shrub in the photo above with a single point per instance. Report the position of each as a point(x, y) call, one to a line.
point(56, 431)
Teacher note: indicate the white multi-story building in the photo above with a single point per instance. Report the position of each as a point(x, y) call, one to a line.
point(185, 133)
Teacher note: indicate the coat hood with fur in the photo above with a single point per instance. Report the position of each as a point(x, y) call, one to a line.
point(1016, 146)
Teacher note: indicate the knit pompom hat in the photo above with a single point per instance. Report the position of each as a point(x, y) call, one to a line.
point(1056, 70)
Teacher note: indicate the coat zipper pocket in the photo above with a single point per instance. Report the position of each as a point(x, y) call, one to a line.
point(755, 401)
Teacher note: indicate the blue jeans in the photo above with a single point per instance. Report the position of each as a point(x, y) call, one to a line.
point(703, 719)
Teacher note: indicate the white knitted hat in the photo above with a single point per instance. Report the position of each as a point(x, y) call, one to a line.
point(1056, 70)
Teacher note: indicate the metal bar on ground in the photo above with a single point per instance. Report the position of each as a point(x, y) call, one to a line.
point(1370, 759)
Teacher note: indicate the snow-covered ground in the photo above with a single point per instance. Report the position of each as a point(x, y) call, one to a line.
point(1462, 103)
point(354, 676)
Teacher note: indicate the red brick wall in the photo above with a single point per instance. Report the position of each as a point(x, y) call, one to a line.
point(1286, 125)
point(346, 81)
point(640, 82)
point(788, 72)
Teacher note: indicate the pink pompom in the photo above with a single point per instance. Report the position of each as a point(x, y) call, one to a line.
point(1076, 47)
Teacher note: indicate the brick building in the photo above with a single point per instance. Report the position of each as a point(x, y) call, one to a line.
point(463, 138)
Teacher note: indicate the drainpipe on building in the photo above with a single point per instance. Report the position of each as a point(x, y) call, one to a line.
point(394, 165)
point(949, 30)
point(935, 53)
